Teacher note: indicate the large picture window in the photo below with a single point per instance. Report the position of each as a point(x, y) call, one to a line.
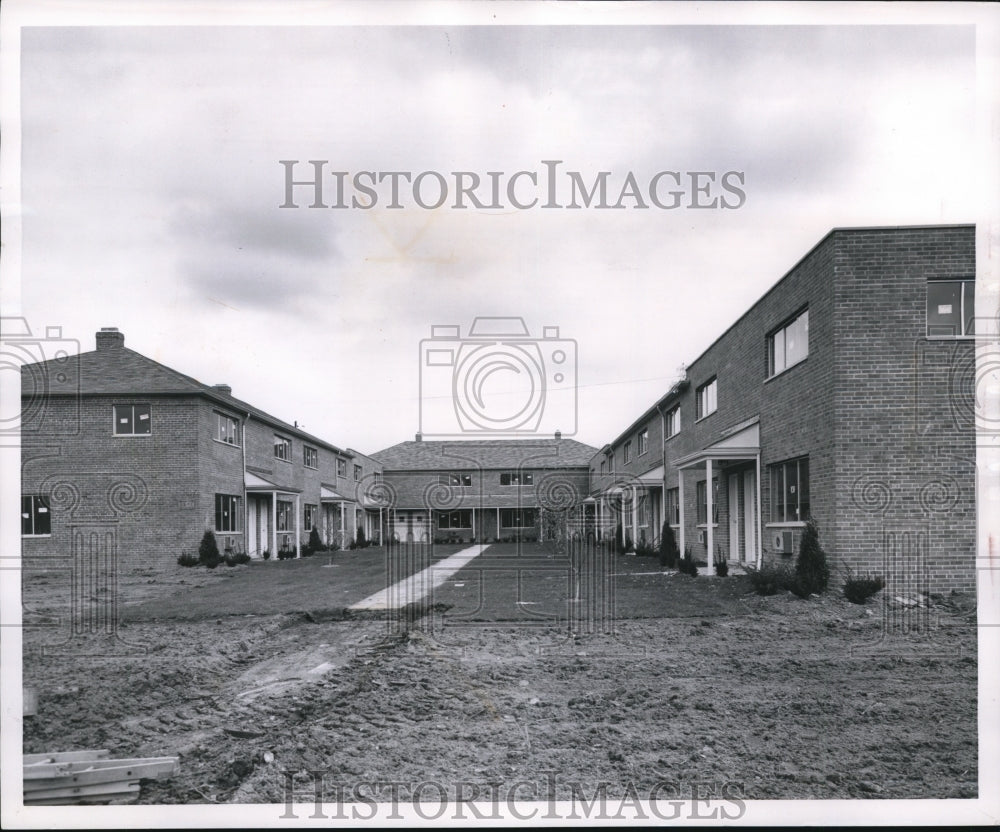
point(227, 513)
point(517, 518)
point(36, 519)
point(461, 519)
point(132, 420)
point(951, 308)
point(788, 345)
point(790, 491)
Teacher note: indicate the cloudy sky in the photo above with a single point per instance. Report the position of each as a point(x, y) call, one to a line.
point(151, 187)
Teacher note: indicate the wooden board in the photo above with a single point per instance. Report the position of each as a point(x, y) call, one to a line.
point(109, 774)
point(47, 771)
point(65, 756)
point(83, 791)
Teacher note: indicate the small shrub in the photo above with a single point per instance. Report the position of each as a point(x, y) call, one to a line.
point(722, 568)
point(669, 553)
point(314, 544)
point(687, 566)
point(619, 540)
point(645, 550)
point(208, 551)
point(629, 547)
point(859, 588)
point(188, 559)
point(361, 540)
point(812, 574)
point(286, 554)
point(769, 580)
point(266, 554)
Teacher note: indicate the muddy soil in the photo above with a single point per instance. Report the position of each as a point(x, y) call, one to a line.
point(787, 698)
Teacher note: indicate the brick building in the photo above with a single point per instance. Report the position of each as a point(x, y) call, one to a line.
point(844, 394)
point(483, 490)
point(116, 444)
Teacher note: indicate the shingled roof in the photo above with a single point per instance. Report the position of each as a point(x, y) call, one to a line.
point(485, 453)
point(114, 370)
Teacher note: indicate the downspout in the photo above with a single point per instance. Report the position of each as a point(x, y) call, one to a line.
point(246, 500)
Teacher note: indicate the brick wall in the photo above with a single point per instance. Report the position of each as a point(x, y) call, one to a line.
point(905, 439)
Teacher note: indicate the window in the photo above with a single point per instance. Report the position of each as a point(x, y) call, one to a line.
point(36, 521)
point(790, 491)
point(132, 420)
point(951, 307)
point(459, 480)
point(357, 473)
point(673, 506)
point(282, 448)
point(455, 519)
point(310, 457)
point(341, 467)
point(703, 504)
point(377, 477)
point(227, 429)
point(627, 451)
point(642, 512)
point(788, 345)
point(643, 441)
point(517, 518)
point(674, 422)
point(603, 467)
point(517, 478)
point(284, 523)
point(308, 517)
point(707, 398)
point(227, 513)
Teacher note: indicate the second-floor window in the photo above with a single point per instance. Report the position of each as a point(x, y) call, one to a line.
point(708, 398)
point(951, 308)
point(516, 478)
point(643, 439)
point(459, 480)
point(227, 429)
point(282, 448)
point(788, 345)
point(604, 467)
point(627, 450)
point(357, 473)
point(341, 467)
point(310, 457)
point(132, 420)
point(673, 421)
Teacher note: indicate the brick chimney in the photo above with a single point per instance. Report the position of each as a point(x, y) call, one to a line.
point(419, 437)
point(225, 389)
point(558, 434)
point(109, 338)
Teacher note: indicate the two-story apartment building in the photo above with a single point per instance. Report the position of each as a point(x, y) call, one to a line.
point(845, 394)
point(483, 490)
point(114, 443)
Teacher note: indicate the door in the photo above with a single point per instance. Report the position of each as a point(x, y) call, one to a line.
point(750, 517)
point(734, 517)
point(252, 545)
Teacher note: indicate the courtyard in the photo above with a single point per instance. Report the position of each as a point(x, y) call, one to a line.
point(259, 674)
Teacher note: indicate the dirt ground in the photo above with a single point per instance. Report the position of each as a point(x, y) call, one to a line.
point(698, 681)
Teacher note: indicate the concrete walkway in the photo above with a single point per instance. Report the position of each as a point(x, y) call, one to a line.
point(419, 585)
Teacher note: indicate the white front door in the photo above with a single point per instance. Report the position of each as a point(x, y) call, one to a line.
point(734, 517)
point(750, 516)
point(252, 548)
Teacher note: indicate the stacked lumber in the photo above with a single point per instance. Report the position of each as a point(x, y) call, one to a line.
point(67, 777)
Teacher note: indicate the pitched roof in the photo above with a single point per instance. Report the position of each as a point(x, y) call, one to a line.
point(119, 371)
point(485, 453)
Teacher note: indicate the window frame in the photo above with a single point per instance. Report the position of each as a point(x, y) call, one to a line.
point(341, 467)
point(700, 411)
point(234, 507)
point(358, 472)
point(627, 452)
point(284, 512)
point(672, 507)
point(701, 502)
point(38, 505)
point(460, 513)
point(782, 329)
point(671, 429)
point(310, 453)
point(133, 419)
point(522, 477)
point(455, 480)
point(309, 515)
point(518, 514)
point(220, 418)
point(642, 441)
point(966, 321)
point(279, 442)
point(782, 466)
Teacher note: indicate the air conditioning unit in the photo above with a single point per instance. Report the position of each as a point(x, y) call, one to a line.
point(781, 542)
